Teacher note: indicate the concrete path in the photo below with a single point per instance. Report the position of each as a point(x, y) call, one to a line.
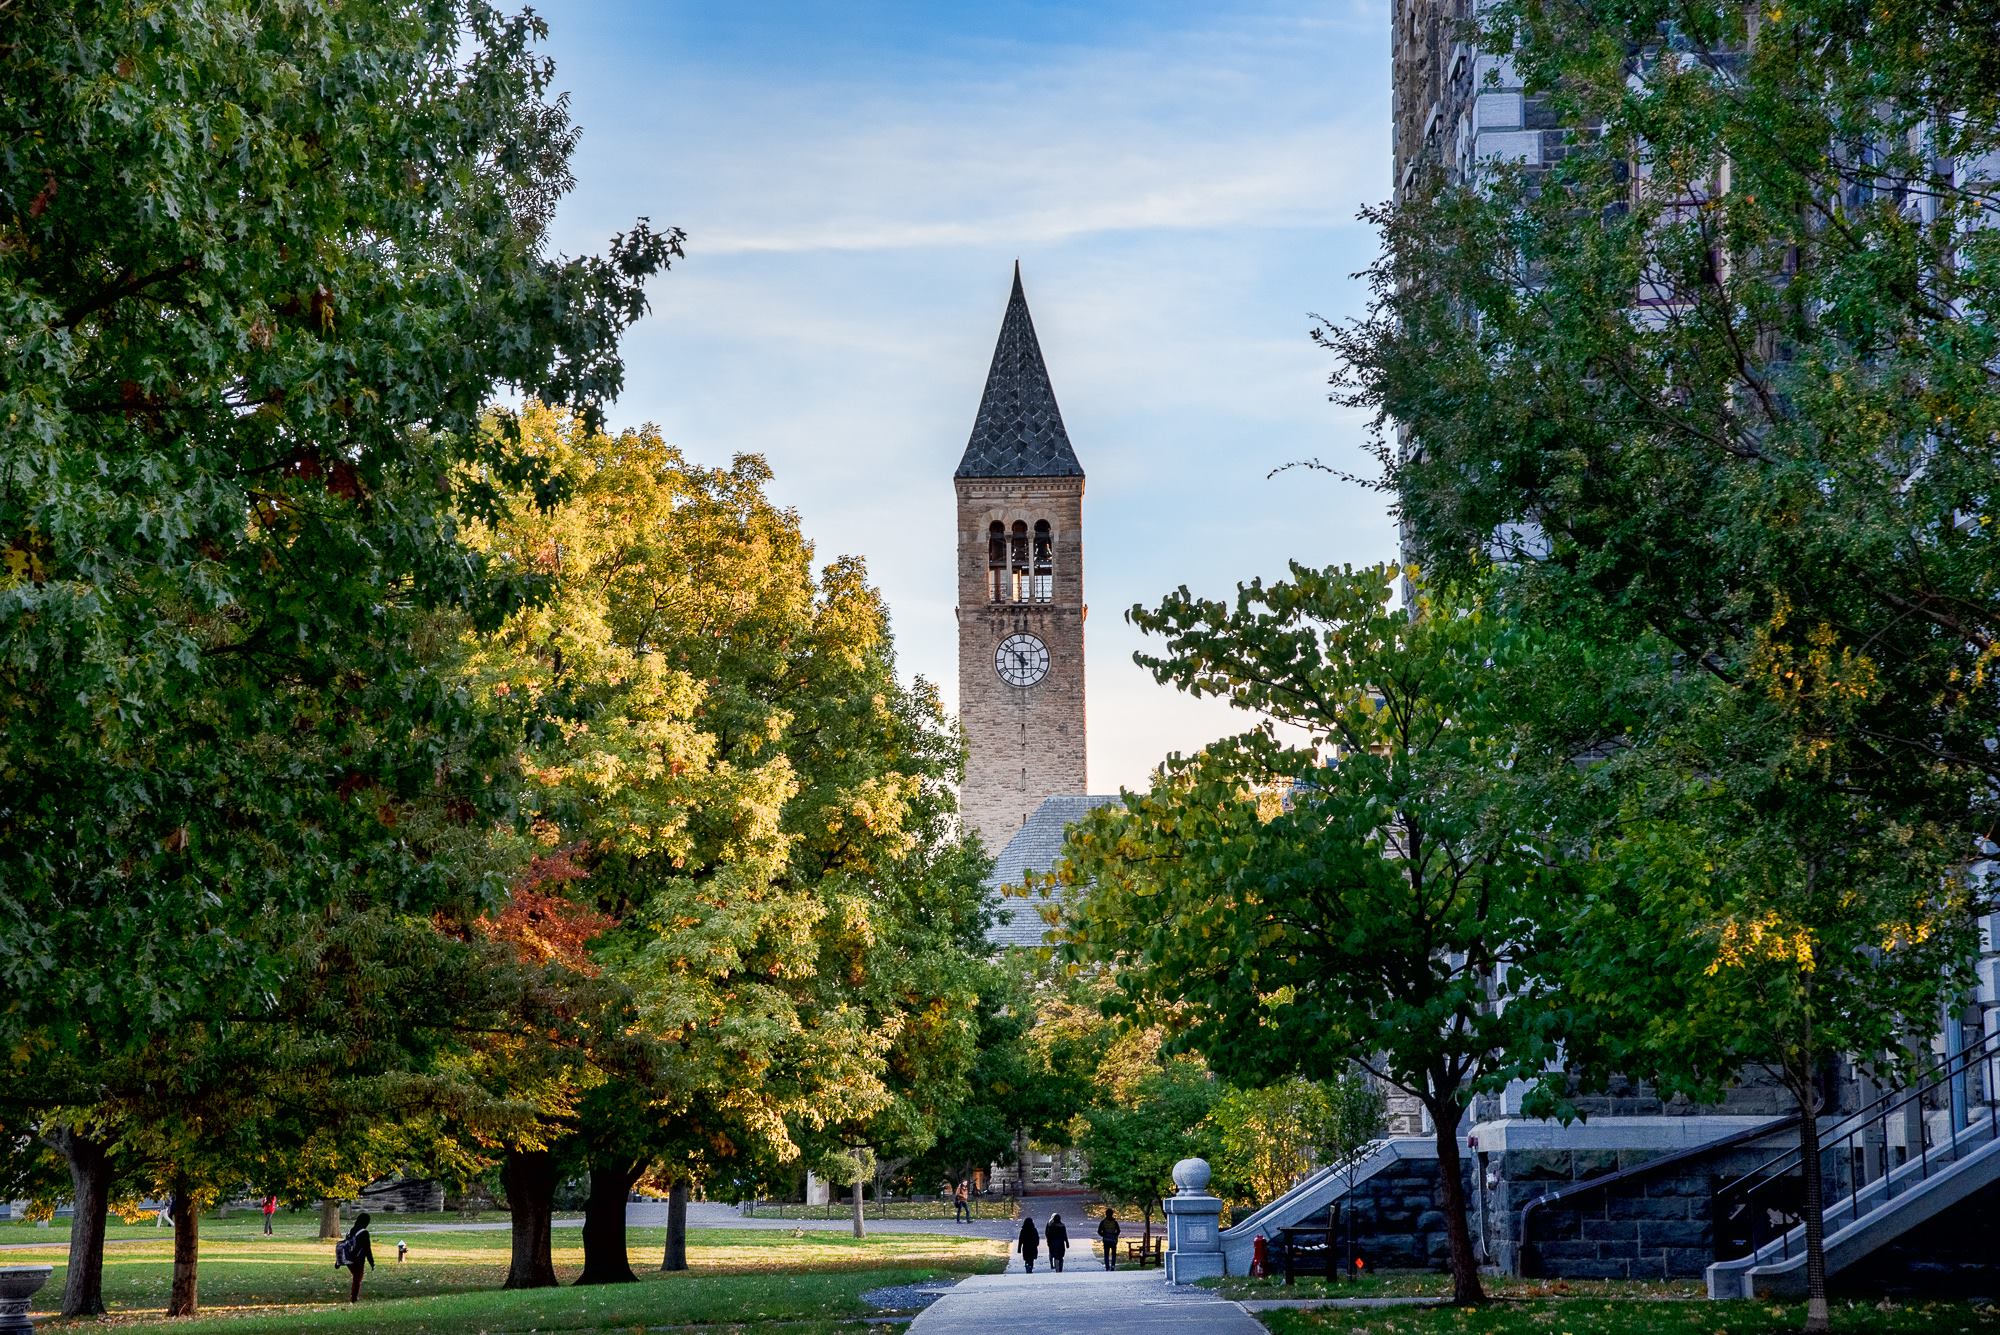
point(1083, 1300)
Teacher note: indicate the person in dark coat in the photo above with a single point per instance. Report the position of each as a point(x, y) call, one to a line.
point(1030, 1242)
point(1107, 1229)
point(1057, 1235)
point(359, 1253)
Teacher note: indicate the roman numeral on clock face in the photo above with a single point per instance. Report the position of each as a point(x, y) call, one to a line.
point(1021, 660)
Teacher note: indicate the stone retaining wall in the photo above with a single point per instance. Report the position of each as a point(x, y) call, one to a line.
point(1397, 1217)
point(1648, 1228)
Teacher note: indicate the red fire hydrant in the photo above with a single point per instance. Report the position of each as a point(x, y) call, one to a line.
point(1259, 1266)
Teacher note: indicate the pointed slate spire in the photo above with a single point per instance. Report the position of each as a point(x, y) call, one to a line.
point(1019, 430)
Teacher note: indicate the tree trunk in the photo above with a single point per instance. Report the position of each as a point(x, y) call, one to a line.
point(182, 1299)
point(860, 1203)
point(1817, 1315)
point(329, 1221)
point(90, 1194)
point(676, 1257)
point(1146, 1230)
point(606, 1260)
point(1465, 1286)
point(530, 1180)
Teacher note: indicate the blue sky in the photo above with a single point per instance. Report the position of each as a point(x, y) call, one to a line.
point(1179, 183)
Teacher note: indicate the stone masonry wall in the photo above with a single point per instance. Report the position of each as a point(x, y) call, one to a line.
point(1397, 1217)
point(1755, 1094)
point(1023, 743)
point(401, 1195)
point(1646, 1228)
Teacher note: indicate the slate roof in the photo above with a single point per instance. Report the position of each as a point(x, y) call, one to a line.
point(1019, 430)
point(1034, 847)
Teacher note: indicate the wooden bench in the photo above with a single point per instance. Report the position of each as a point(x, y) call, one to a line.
point(1305, 1252)
point(1142, 1253)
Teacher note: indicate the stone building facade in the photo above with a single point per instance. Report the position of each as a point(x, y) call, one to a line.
point(1455, 106)
point(1020, 592)
point(1458, 111)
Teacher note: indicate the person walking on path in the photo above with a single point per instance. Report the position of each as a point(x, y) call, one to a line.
point(1030, 1243)
point(270, 1208)
point(1057, 1234)
point(1107, 1229)
point(355, 1251)
point(961, 1205)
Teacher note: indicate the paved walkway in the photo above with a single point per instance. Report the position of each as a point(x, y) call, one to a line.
point(1083, 1300)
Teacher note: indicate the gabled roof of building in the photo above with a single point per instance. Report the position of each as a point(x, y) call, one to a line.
point(1019, 431)
point(1034, 847)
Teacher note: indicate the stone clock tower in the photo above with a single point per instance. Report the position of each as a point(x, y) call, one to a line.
point(1020, 592)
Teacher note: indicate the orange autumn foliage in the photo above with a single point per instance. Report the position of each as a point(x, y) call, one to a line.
point(545, 928)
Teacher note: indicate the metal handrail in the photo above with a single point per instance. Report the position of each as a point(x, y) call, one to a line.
point(1929, 1080)
point(1340, 1167)
point(1874, 1116)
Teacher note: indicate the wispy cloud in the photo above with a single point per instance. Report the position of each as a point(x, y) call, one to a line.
point(1182, 192)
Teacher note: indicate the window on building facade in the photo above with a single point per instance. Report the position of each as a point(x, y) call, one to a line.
point(1042, 585)
point(1017, 562)
point(996, 563)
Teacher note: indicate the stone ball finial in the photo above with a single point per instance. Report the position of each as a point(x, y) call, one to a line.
point(1191, 1176)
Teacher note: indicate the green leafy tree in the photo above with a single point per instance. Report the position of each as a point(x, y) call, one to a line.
point(1726, 370)
point(668, 847)
point(1358, 889)
point(1132, 1146)
point(1733, 905)
point(754, 805)
point(1269, 1138)
point(261, 266)
point(1724, 374)
point(1037, 1057)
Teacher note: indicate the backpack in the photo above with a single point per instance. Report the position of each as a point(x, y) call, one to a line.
point(340, 1254)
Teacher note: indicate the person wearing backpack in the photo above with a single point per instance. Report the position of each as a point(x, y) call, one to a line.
point(354, 1251)
point(1107, 1229)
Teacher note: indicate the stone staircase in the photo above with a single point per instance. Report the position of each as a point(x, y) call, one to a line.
point(1869, 1201)
point(1316, 1193)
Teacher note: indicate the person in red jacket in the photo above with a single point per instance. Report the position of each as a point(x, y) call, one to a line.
point(270, 1208)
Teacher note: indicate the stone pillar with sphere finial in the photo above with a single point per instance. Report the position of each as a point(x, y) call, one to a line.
point(18, 1284)
point(1194, 1225)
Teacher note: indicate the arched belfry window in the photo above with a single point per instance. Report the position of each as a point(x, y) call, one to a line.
point(1017, 562)
point(1042, 585)
point(996, 563)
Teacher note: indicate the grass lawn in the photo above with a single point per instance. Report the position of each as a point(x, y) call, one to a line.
point(1433, 1284)
point(1000, 1209)
point(251, 1284)
point(238, 1224)
point(1594, 1316)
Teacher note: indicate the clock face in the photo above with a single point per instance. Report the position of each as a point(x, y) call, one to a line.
point(1021, 660)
